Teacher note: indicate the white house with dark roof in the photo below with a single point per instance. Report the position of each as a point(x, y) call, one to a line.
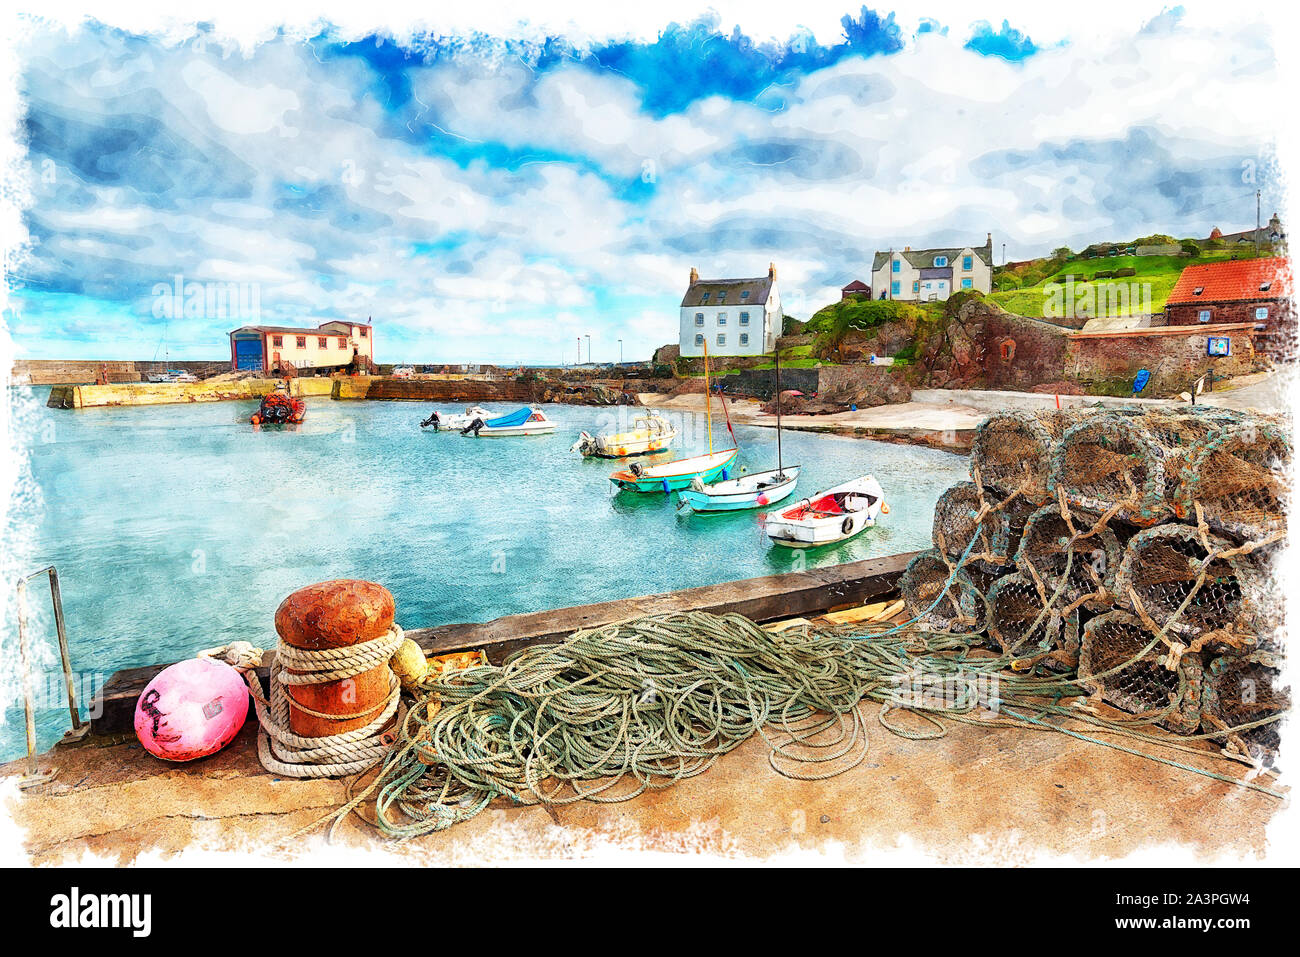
point(923, 275)
point(736, 317)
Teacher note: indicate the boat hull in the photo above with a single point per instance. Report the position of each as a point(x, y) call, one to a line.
point(530, 429)
point(667, 478)
point(724, 498)
point(829, 517)
point(801, 536)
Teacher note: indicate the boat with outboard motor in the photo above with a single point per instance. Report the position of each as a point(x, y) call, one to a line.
point(454, 420)
point(649, 433)
point(525, 421)
point(278, 407)
point(831, 516)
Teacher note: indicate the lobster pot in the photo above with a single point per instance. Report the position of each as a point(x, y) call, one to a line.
point(1227, 613)
point(1111, 663)
point(996, 535)
point(1046, 549)
point(1013, 450)
point(1240, 691)
point(961, 610)
point(1238, 477)
point(1019, 625)
point(1110, 460)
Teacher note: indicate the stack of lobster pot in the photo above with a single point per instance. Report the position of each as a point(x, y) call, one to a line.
point(1132, 547)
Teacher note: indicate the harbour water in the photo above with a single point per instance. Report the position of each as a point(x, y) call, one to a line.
point(177, 528)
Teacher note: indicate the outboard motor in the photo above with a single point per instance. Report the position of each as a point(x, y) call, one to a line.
point(434, 420)
point(473, 427)
point(636, 469)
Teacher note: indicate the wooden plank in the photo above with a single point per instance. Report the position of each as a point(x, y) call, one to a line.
point(770, 598)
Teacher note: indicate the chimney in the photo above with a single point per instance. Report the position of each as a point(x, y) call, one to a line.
point(695, 275)
point(771, 271)
point(989, 242)
point(907, 249)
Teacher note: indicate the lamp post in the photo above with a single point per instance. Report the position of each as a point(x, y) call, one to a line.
point(620, 352)
point(579, 360)
point(588, 348)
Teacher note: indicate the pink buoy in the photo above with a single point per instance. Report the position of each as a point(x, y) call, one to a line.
point(191, 709)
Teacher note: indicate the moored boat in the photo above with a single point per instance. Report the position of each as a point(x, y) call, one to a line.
point(755, 490)
point(525, 421)
point(677, 474)
point(649, 433)
point(831, 516)
point(454, 420)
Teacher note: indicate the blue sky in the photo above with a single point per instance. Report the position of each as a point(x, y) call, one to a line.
point(487, 197)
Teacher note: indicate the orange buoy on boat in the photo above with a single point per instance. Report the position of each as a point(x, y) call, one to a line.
point(330, 615)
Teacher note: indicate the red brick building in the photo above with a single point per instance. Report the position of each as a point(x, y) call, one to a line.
point(856, 290)
point(1238, 291)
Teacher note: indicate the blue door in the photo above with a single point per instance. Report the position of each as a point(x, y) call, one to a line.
point(248, 354)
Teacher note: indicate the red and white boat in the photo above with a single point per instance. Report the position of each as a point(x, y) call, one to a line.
point(831, 516)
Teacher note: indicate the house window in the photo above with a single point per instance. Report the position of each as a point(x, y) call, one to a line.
point(302, 342)
point(699, 339)
point(744, 294)
point(722, 338)
point(699, 318)
point(941, 260)
point(277, 341)
point(966, 264)
point(744, 318)
point(365, 331)
point(967, 283)
point(744, 338)
point(704, 298)
point(722, 318)
point(722, 297)
point(894, 287)
point(1264, 286)
point(927, 285)
point(897, 265)
point(1198, 290)
point(916, 286)
point(343, 342)
point(322, 342)
point(1261, 312)
point(1203, 316)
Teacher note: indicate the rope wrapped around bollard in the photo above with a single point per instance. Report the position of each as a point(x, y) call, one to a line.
point(283, 752)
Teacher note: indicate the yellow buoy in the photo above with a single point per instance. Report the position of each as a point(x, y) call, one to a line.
point(409, 664)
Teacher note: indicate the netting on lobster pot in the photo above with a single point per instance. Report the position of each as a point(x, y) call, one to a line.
point(1167, 567)
point(1238, 477)
point(1019, 624)
point(1013, 450)
point(1109, 463)
point(962, 608)
point(996, 534)
point(1113, 664)
point(1241, 691)
point(1048, 546)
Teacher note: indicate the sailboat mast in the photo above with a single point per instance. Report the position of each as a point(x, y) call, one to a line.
point(708, 396)
point(780, 467)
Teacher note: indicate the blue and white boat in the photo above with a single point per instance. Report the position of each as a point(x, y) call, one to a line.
point(525, 421)
point(756, 490)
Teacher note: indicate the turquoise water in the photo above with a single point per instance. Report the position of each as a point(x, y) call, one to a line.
point(177, 528)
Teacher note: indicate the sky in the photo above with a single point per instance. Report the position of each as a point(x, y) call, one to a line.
point(494, 195)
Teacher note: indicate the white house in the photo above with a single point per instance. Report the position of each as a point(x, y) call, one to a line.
point(737, 317)
point(920, 275)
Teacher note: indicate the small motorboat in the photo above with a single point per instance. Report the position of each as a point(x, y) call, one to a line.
point(279, 408)
point(832, 516)
point(649, 433)
point(756, 490)
point(525, 421)
point(171, 375)
point(746, 491)
point(455, 420)
point(677, 474)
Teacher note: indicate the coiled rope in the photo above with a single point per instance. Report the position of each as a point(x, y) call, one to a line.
point(351, 752)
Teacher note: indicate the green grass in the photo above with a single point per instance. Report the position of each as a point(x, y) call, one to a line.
point(1161, 272)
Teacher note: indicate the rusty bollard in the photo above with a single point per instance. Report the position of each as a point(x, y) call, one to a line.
point(337, 614)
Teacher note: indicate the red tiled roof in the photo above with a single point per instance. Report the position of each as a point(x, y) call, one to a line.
point(856, 286)
point(1233, 281)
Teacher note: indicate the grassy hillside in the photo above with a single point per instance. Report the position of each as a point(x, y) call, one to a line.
point(1161, 272)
